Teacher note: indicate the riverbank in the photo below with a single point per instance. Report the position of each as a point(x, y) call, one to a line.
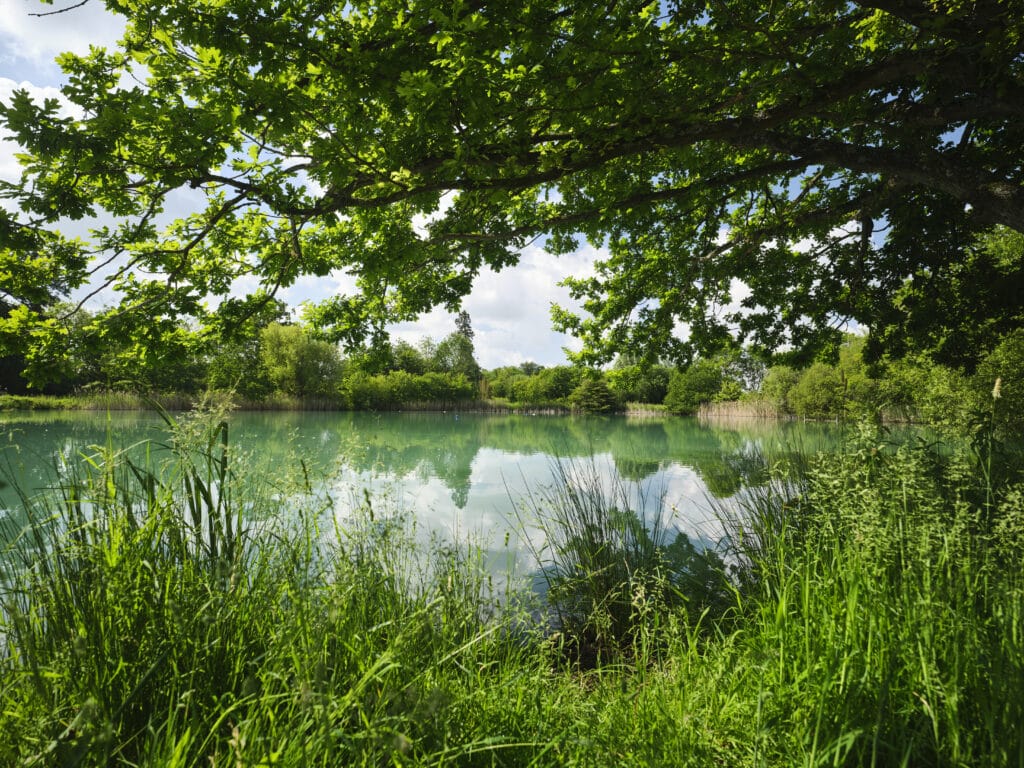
point(872, 619)
point(760, 408)
point(178, 402)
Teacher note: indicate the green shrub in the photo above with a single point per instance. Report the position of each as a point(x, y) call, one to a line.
point(593, 396)
point(689, 389)
point(819, 393)
point(778, 382)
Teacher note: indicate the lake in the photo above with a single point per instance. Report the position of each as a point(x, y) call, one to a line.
point(457, 474)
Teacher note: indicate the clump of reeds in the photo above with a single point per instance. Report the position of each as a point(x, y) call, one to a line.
point(611, 570)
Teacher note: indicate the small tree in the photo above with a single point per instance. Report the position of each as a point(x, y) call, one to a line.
point(819, 393)
point(298, 365)
point(454, 354)
point(593, 396)
point(689, 389)
point(777, 383)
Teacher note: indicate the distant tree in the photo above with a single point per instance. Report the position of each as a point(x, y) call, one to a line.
point(299, 365)
point(454, 354)
point(742, 367)
point(689, 389)
point(530, 367)
point(237, 363)
point(819, 393)
point(463, 325)
point(557, 382)
point(776, 385)
point(405, 357)
point(593, 396)
point(637, 383)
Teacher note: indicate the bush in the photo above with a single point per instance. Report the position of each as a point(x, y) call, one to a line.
point(819, 393)
point(689, 389)
point(395, 389)
point(1004, 364)
point(777, 384)
point(593, 396)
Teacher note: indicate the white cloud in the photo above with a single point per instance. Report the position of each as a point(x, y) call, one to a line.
point(30, 43)
point(511, 310)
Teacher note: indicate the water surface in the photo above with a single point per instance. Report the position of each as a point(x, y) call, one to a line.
point(457, 474)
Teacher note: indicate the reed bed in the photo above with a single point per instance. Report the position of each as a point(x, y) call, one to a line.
point(752, 408)
point(168, 615)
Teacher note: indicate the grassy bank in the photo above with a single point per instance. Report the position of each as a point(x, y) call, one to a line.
point(99, 401)
point(179, 401)
point(872, 616)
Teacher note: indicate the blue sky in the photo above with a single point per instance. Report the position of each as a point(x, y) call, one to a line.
point(510, 310)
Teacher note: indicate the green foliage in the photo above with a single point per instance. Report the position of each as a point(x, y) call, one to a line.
point(820, 393)
point(777, 383)
point(176, 616)
point(532, 384)
point(635, 383)
point(955, 311)
point(824, 391)
point(454, 354)
point(405, 357)
point(593, 396)
point(236, 364)
point(698, 170)
point(1000, 377)
point(689, 389)
point(397, 389)
point(297, 364)
point(886, 592)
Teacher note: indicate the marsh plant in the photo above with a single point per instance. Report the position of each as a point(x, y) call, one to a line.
point(884, 593)
point(610, 570)
point(150, 615)
point(154, 612)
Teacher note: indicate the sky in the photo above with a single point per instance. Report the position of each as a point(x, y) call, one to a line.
point(510, 311)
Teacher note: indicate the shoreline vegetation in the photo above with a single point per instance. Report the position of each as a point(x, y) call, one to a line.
point(296, 372)
point(863, 609)
point(184, 402)
point(718, 412)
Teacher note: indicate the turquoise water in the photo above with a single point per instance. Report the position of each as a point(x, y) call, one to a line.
point(462, 475)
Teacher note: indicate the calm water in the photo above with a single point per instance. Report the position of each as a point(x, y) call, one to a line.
point(459, 474)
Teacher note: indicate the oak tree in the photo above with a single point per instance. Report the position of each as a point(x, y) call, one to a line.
point(761, 172)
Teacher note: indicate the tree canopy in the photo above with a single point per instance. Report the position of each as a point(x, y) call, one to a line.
point(836, 158)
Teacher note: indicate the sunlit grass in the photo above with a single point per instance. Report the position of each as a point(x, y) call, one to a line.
point(180, 617)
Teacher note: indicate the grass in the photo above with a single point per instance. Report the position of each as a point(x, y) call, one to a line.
point(99, 400)
point(170, 614)
point(610, 570)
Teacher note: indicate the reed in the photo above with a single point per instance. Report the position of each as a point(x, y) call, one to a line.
point(610, 569)
point(166, 612)
point(739, 410)
point(884, 595)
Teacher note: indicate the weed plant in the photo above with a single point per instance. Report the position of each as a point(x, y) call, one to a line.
point(884, 599)
point(168, 616)
point(148, 621)
point(610, 569)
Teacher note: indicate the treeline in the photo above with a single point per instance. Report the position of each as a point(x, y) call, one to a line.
point(267, 361)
